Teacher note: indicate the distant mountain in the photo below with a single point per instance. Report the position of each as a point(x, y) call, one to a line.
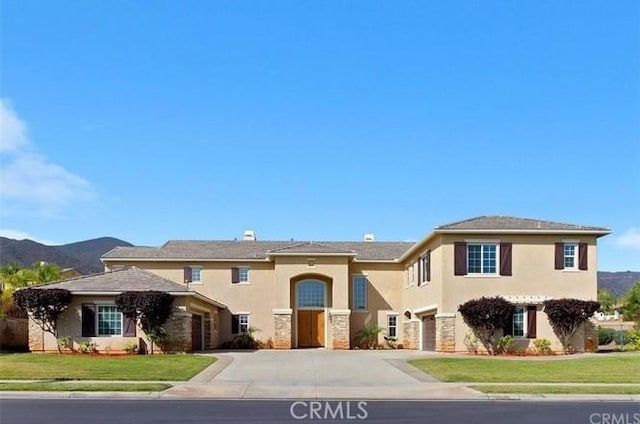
point(83, 255)
point(617, 283)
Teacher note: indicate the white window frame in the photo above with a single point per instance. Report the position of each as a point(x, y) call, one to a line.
point(359, 277)
point(243, 272)
point(482, 244)
point(246, 325)
point(108, 305)
point(199, 268)
point(395, 326)
point(575, 255)
point(423, 269)
point(524, 322)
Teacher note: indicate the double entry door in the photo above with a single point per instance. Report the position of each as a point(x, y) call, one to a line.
point(310, 328)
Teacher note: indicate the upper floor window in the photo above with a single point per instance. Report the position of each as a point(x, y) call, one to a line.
point(359, 293)
point(482, 258)
point(192, 274)
point(240, 275)
point(424, 268)
point(571, 256)
point(195, 274)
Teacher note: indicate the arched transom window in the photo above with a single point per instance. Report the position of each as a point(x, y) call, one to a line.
point(311, 294)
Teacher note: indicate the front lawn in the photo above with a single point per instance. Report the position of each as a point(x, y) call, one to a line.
point(609, 369)
point(558, 390)
point(29, 366)
point(83, 387)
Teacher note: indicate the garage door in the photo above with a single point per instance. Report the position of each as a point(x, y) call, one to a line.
point(429, 333)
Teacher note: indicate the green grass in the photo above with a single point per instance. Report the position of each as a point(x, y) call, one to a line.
point(83, 387)
point(609, 369)
point(28, 366)
point(559, 390)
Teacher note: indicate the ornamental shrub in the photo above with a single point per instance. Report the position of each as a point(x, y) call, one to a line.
point(567, 316)
point(485, 316)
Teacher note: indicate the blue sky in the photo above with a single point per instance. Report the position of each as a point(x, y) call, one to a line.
point(323, 120)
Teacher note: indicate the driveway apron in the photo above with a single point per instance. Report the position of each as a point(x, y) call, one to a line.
point(318, 374)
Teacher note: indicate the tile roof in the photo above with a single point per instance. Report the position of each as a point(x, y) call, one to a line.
point(131, 278)
point(513, 223)
point(259, 250)
point(311, 248)
point(364, 251)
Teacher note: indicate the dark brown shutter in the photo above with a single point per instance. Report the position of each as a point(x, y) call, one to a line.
point(187, 274)
point(428, 266)
point(419, 263)
point(582, 256)
point(235, 324)
point(508, 330)
point(459, 258)
point(235, 275)
point(128, 326)
point(559, 255)
point(505, 258)
point(88, 320)
point(531, 322)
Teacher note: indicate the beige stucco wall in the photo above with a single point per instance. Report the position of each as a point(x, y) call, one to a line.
point(271, 287)
point(257, 297)
point(415, 296)
point(533, 274)
point(384, 295)
point(70, 325)
point(331, 269)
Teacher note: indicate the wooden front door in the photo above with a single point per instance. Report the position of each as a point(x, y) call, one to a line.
point(196, 332)
point(310, 328)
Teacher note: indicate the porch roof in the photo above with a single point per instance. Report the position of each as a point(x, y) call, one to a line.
point(126, 279)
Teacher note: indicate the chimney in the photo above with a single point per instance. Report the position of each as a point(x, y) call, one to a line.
point(369, 237)
point(249, 235)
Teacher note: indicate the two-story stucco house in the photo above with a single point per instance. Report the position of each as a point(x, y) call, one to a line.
point(312, 294)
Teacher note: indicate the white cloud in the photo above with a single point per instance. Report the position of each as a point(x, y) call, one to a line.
point(13, 132)
point(631, 238)
point(27, 175)
point(21, 235)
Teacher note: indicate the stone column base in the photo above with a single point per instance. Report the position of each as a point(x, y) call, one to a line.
point(178, 329)
point(340, 328)
point(282, 328)
point(445, 332)
point(36, 337)
point(411, 334)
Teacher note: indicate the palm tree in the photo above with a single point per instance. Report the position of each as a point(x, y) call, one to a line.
point(14, 276)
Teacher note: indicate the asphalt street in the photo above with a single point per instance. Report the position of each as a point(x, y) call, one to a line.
point(97, 411)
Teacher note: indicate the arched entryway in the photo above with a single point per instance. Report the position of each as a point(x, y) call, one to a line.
point(311, 303)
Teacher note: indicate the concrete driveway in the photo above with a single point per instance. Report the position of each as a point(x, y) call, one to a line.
point(318, 374)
